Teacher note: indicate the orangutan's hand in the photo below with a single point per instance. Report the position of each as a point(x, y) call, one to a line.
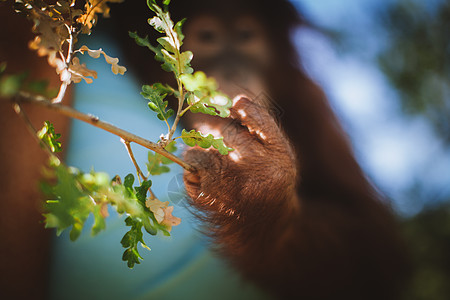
point(255, 177)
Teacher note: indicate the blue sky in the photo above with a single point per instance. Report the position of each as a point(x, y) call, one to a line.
point(396, 151)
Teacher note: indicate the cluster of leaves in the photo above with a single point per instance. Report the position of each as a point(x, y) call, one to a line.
point(156, 94)
point(157, 164)
point(48, 135)
point(73, 195)
point(89, 18)
point(196, 90)
point(203, 96)
point(57, 27)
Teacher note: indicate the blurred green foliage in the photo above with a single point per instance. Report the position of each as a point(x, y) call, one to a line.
point(416, 60)
point(428, 240)
point(11, 84)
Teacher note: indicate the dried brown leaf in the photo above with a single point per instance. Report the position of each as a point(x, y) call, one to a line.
point(114, 62)
point(169, 219)
point(80, 71)
point(157, 208)
point(51, 32)
point(92, 8)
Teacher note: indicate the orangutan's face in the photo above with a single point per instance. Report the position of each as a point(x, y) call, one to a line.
point(236, 52)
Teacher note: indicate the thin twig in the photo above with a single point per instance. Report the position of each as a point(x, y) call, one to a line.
point(178, 115)
point(19, 110)
point(168, 125)
point(95, 121)
point(61, 93)
point(186, 109)
point(131, 155)
point(67, 60)
point(190, 105)
point(152, 195)
point(138, 169)
point(70, 48)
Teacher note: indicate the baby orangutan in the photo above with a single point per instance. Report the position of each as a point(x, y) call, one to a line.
point(289, 208)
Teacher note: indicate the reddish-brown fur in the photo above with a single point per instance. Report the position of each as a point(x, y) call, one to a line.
point(302, 221)
point(296, 215)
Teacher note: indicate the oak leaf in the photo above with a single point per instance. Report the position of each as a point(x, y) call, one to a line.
point(169, 219)
point(114, 62)
point(193, 137)
point(157, 208)
point(51, 32)
point(94, 7)
point(80, 71)
point(163, 213)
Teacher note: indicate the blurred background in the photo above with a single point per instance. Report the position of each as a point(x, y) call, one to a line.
point(385, 67)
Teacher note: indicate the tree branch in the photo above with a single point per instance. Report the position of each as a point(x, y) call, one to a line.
point(95, 121)
point(180, 108)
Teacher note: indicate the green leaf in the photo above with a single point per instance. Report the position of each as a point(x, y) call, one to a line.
point(10, 85)
point(144, 42)
point(150, 4)
point(163, 23)
point(203, 95)
point(193, 138)
point(177, 28)
point(130, 241)
point(174, 60)
point(167, 44)
point(3, 66)
point(123, 197)
point(141, 191)
point(40, 87)
point(165, 89)
point(185, 62)
point(74, 195)
point(156, 162)
point(70, 205)
point(99, 220)
point(156, 226)
point(128, 183)
point(155, 93)
point(154, 165)
point(217, 104)
point(170, 62)
point(131, 256)
point(171, 147)
point(94, 181)
point(149, 227)
point(198, 82)
point(49, 137)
